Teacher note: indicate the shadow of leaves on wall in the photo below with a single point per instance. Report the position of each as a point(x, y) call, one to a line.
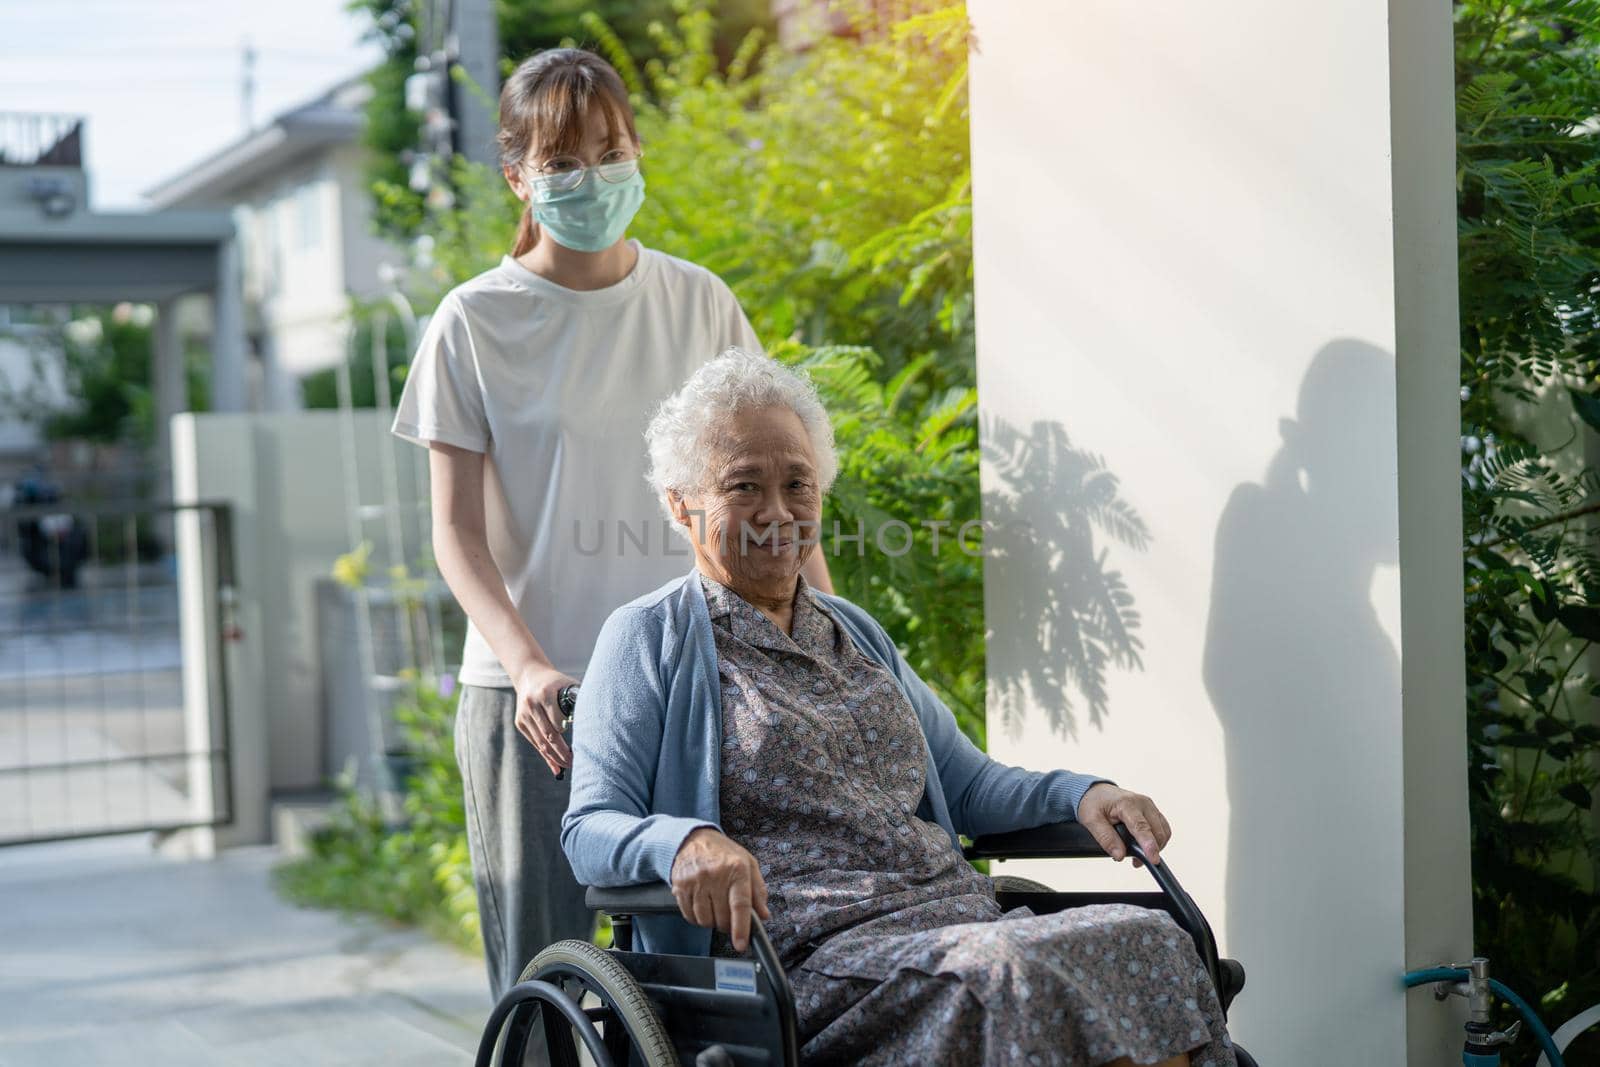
point(1051, 510)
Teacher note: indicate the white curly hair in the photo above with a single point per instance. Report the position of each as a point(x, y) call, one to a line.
point(685, 424)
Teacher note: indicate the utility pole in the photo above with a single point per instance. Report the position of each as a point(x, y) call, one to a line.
point(458, 112)
point(428, 94)
point(247, 87)
point(475, 99)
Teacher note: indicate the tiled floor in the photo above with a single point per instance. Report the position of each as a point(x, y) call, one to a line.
point(111, 954)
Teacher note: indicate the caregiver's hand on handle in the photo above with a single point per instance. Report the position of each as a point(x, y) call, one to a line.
point(539, 715)
point(1105, 805)
point(718, 883)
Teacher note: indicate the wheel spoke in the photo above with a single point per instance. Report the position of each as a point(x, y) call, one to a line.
point(625, 1021)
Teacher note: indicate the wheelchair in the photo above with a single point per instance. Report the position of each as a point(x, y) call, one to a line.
point(648, 1010)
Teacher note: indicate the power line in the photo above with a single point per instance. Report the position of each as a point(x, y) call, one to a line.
point(132, 52)
point(218, 83)
point(264, 72)
point(158, 84)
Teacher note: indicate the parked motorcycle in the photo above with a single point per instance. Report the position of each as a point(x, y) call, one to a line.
point(54, 544)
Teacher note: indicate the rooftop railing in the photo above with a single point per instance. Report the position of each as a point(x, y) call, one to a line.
point(35, 140)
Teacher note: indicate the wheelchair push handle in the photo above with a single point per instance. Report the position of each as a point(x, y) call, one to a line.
point(567, 701)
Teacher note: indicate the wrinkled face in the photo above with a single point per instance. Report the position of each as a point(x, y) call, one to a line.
point(756, 519)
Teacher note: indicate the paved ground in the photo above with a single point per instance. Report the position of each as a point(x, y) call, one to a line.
point(111, 954)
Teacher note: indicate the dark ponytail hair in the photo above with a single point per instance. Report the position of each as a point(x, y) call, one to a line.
point(544, 107)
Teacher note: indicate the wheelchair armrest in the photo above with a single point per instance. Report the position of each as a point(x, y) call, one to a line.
point(655, 898)
point(652, 898)
point(1057, 840)
point(1065, 840)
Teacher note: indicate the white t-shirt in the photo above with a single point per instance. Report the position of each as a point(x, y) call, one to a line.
point(555, 386)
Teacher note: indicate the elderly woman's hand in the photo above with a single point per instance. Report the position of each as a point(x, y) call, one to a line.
point(718, 883)
point(1104, 805)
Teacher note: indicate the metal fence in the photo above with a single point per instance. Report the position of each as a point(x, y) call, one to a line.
point(102, 731)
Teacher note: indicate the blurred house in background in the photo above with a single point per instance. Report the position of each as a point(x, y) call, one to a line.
point(296, 191)
point(801, 23)
point(56, 254)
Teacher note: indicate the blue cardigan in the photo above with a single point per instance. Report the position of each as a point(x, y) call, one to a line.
point(647, 752)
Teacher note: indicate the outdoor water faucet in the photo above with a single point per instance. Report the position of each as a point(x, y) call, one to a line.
point(1480, 1032)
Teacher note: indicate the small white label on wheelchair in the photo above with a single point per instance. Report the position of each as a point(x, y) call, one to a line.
point(736, 976)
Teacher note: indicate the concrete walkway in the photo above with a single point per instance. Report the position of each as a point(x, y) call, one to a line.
point(111, 954)
point(91, 703)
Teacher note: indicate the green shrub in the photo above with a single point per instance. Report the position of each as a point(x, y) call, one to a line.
point(914, 462)
point(1528, 182)
point(414, 868)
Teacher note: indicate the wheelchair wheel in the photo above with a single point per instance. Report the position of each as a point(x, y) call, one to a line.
point(596, 971)
point(1010, 883)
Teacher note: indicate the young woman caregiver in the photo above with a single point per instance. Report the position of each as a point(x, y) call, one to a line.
point(531, 387)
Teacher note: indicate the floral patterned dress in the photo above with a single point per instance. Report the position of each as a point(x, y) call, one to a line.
point(895, 946)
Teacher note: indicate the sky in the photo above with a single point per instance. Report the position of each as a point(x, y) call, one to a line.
point(159, 81)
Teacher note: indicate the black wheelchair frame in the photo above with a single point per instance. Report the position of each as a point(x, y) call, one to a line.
point(659, 1009)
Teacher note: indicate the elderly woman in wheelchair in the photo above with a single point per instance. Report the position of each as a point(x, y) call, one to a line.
point(764, 749)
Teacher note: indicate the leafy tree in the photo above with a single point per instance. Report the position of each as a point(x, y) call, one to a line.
point(1528, 180)
point(106, 358)
point(892, 529)
point(107, 370)
point(391, 131)
point(832, 189)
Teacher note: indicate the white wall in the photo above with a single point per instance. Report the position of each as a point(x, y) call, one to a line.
point(363, 252)
point(1203, 234)
point(284, 476)
point(296, 275)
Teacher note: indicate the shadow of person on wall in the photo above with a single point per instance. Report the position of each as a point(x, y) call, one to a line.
point(1048, 514)
point(1304, 679)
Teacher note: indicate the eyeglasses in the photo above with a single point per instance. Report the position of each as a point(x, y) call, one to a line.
point(563, 174)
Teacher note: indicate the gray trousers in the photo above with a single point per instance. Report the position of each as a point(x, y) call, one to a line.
point(527, 895)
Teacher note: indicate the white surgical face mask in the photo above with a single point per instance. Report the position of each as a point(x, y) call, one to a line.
point(590, 218)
